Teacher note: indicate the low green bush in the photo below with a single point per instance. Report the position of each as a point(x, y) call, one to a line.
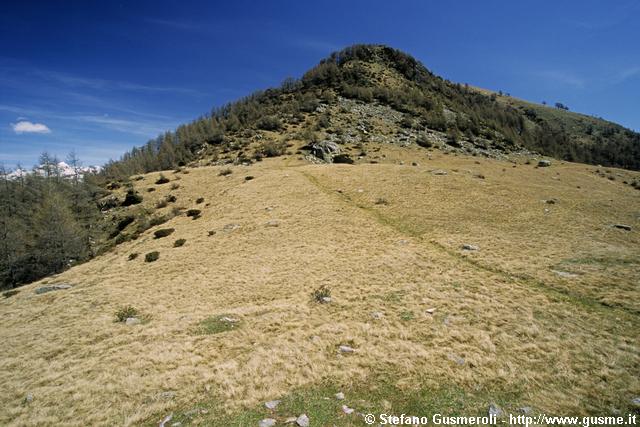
point(163, 232)
point(152, 256)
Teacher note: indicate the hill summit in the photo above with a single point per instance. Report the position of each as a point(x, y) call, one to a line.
point(377, 94)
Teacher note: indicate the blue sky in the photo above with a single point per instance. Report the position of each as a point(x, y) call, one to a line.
point(101, 77)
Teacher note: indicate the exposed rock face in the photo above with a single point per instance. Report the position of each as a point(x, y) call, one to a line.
point(325, 150)
point(50, 288)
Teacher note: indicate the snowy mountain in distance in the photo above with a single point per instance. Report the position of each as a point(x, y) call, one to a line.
point(62, 169)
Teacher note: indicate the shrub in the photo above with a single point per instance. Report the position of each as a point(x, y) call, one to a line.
point(151, 189)
point(164, 232)
point(122, 224)
point(132, 198)
point(162, 179)
point(171, 198)
point(424, 142)
point(123, 313)
point(269, 123)
point(406, 122)
point(152, 256)
point(381, 201)
point(272, 149)
point(194, 213)
point(133, 256)
point(179, 243)
point(10, 293)
point(248, 178)
point(200, 200)
point(321, 294)
point(156, 220)
point(342, 158)
point(225, 172)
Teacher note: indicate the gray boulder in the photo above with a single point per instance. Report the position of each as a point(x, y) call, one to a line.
point(623, 227)
point(494, 410)
point(325, 150)
point(303, 420)
point(132, 321)
point(544, 163)
point(50, 288)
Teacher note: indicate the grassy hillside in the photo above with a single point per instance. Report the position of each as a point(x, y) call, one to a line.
point(419, 103)
point(544, 314)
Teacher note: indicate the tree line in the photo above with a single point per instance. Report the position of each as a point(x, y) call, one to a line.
point(47, 221)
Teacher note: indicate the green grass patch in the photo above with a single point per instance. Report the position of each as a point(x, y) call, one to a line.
point(218, 324)
point(376, 396)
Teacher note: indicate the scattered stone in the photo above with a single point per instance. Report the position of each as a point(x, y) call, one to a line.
point(229, 319)
point(403, 242)
point(565, 274)
point(340, 396)
point(192, 413)
point(303, 420)
point(414, 164)
point(636, 401)
point(166, 420)
point(176, 424)
point(360, 190)
point(377, 315)
point(623, 227)
point(439, 172)
point(290, 420)
point(272, 223)
point(347, 410)
point(50, 288)
point(345, 349)
point(325, 300)
point(468, 247)
point(28, 398)
point(525, 410)
point(272, 404)
point(211, 232)
point(132, 321)
point(267, 422)
point(456, 359)
point(167, 395)
point(551, 201)
point(230, 227)
point(494, 410)
point(544, 163)
point(430, 310)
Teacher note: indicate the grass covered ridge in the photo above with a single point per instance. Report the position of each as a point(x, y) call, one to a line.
point(428, 322)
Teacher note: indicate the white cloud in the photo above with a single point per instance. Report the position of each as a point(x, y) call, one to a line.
point(28, 127)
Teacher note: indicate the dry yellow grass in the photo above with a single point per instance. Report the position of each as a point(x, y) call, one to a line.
point(569, 345)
